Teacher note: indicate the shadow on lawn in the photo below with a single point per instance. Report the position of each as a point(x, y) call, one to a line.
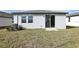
point(70, 27)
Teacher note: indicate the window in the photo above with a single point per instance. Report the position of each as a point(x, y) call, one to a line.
point(30, 19)
point(23, 19)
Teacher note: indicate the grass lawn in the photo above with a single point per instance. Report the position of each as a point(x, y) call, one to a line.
point(39, 38)
point(74, 41)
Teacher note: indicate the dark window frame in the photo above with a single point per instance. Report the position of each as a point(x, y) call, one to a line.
point(30, 19)
point(23, 19)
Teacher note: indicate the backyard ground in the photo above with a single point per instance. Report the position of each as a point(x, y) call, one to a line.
point(39, 38)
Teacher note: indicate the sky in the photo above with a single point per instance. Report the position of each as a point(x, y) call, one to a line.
point(10, 11)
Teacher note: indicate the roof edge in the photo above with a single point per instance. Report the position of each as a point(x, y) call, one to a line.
point(40, 12)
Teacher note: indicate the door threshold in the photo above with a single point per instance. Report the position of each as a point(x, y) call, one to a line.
point(51, 29)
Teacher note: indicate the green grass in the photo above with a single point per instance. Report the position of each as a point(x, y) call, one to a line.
point(39, 38)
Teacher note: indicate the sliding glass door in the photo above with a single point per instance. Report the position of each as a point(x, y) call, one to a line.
point(50, 21)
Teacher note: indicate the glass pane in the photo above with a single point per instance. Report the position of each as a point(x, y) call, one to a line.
point(30, 19)
point(23, 19)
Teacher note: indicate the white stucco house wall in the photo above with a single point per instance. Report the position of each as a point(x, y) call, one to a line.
point(5, 19)
point(72, 19)
point(36, 19)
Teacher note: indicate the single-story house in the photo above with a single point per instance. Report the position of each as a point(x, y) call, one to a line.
point(5, 19)
point(34, 19)
point(72, 19)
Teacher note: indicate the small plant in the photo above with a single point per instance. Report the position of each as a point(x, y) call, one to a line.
point(9, 28)
point(21, 28)
point(13, 27)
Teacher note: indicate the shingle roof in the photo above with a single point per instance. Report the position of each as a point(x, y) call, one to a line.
point(7, 15)
point(40, 12)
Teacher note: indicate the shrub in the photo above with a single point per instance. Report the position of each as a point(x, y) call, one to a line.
point(12, 27)
point(15, 27)
point(21, 28)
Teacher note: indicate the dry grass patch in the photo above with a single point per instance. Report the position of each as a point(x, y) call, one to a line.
point(34, 38)
point(74, 41)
